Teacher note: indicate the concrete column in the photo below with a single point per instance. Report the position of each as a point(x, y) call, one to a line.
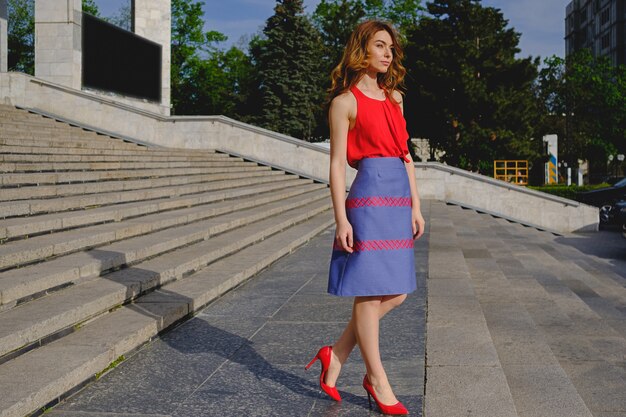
point(153, 21)
point(58, 42)
point(4, 52)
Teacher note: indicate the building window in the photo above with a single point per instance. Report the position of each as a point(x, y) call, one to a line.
point(605, 16)
point(606, 41)
point(583, 15)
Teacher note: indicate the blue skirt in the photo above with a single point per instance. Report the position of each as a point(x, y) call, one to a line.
point(378, 207)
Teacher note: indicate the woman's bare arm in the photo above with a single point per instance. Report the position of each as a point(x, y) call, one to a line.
point(341, 111)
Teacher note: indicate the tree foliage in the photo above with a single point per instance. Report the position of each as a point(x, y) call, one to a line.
point(90, 6)
point(467, 93)
point(584, 98)
point(289, 67)
point(336, 19)
point(205, 79)
point(21, 36)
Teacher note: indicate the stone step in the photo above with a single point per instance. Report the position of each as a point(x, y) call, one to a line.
point(22, 284)
point(113, 165)
point(34, 130)
point(122, 192)
point(62, 133)
point(25, 251)
point(42, 140)
point(463, 372)
point(41, 376)
point(143, 157)
point(33, 225)
point(488, 318)
point(21, 179)
point(13, 113)
point(31, 322)
point(7, 109)
point(140, 150)
point(79, 196)
point(19, 121)
point(137, 151)
point(28, 120)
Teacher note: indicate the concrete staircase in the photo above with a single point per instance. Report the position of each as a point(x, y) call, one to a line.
point(106, 243)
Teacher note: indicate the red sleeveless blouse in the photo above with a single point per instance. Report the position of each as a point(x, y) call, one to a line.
point(379, 131)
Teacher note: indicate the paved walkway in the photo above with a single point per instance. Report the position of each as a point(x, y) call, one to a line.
point(522, 322)
point(519, 323)
point(244, 355)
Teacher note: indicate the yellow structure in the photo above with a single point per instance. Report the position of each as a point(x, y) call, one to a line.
point(513, 171)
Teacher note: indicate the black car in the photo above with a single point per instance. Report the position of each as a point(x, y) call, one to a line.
point(605, 199)
point(620, 208)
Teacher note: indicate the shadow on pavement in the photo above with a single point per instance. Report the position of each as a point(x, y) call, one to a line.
point(607, 244)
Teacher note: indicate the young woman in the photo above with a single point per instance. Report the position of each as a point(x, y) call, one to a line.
point(372, 258)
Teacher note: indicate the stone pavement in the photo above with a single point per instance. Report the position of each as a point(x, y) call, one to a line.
point(519, 323)
point(522, 322)
point(244, 355)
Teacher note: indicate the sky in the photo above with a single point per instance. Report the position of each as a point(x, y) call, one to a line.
point(541, 22)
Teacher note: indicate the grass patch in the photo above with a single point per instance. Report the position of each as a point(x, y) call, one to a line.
point(565, 191)
point(112, 365)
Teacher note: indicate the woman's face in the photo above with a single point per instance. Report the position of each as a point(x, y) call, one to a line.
point(380, 51)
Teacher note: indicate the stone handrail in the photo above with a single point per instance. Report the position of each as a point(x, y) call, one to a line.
point(499, 183)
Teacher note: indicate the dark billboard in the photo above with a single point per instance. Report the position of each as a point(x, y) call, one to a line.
point(119, 61)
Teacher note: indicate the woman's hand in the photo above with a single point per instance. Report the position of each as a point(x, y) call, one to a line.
point(418, 223)
point(343, 235)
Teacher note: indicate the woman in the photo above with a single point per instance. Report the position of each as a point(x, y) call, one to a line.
point(376, 225)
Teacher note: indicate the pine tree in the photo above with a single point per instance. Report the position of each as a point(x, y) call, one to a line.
point(467, 93)
point(290, 72)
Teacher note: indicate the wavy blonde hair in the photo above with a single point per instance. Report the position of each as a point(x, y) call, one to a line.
point(354, 62)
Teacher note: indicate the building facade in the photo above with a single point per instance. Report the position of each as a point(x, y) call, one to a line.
point(597, 25)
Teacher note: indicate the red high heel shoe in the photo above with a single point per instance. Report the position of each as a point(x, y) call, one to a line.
point(396, 409)
point(324, 355)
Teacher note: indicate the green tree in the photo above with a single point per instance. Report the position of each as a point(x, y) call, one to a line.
point(290, 72)
point(90, 6)
point(404, 14)
point(21, 36)
point(189, 43)
point(584, 98)
point(336, 19)
point(467, 93)
point(21, 33)
point(205, 79)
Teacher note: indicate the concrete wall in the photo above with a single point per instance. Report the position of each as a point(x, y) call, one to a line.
point(153, 20)
point(533, 208)
point(58, 43)
point(435, 181)
point(3, 36)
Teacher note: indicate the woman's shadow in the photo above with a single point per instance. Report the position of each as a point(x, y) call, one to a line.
point(199, 336)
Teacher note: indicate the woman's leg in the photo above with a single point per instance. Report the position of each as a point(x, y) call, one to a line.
point(346, 342)
point(366, 328)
